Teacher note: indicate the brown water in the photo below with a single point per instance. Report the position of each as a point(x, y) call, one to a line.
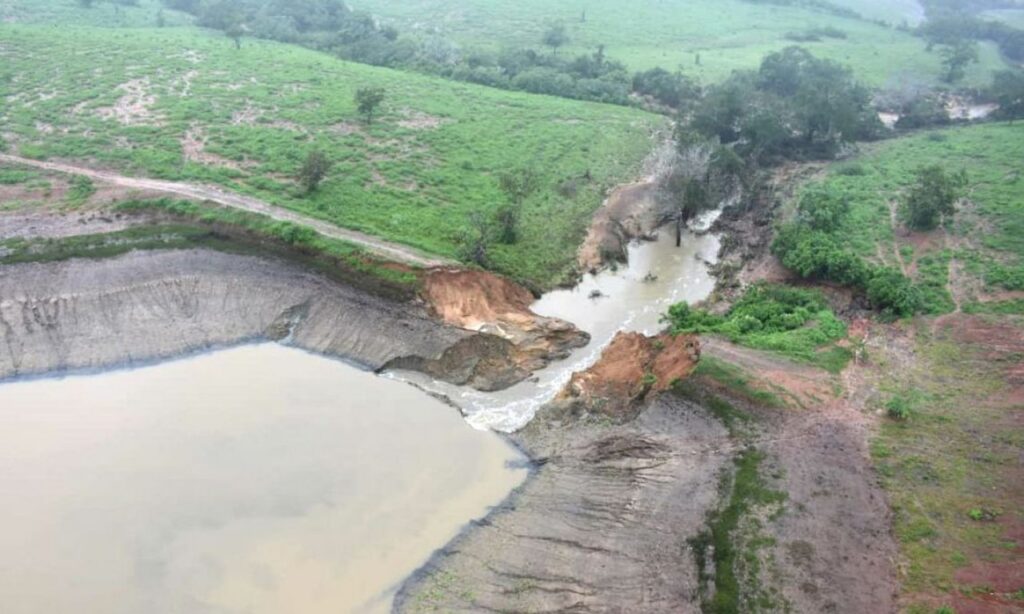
point(257, 479)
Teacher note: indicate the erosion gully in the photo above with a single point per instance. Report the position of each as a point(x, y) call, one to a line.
point(265, 479)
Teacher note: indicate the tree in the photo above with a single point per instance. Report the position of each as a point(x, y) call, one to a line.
point(313, 170)
point(368, 99)
point(235, 31)
point(518, 185)
point(555, 37)
point(475, 240)
point(933, 196)
point(1008, 91)
point(956, 57)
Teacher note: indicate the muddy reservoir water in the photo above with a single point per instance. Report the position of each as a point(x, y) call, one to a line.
point(257, 479)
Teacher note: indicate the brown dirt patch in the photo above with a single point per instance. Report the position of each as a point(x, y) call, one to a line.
point(422, 121)
point(247, 116)
point(629, 369)
point(474, 299)
point(488, 303)
point(193, 146)
point(629, 212)
point(346, 128)
point(134, 108)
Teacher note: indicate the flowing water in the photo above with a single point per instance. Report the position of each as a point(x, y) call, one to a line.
point(257, 479)
point(632, 298)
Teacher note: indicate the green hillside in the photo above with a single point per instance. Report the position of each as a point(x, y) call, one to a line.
point(185, 104)
point(102, 13)
point(728, 34)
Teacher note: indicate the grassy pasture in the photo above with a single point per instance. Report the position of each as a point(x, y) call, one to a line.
point(183, 104)
point(728, 34)
point(103, 13)
point(983, 246)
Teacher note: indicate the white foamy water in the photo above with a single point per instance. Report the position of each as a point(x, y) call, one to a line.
point(633, 298)
point(255, 480)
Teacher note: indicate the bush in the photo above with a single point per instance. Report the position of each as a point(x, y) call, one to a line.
point(893, 293)
point(817, 255)
point(933, 196)
point(899, 408)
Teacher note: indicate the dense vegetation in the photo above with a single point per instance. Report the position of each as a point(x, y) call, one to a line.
point(706, 39)
point(794, 322)
point(186, 105)
point(794, 106)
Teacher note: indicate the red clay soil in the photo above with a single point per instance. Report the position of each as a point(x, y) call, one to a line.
point(488, 303)
point(630, 368)
point(474, 299)
point(999, 342)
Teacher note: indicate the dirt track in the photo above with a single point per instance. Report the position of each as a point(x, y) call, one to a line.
point(391, 251)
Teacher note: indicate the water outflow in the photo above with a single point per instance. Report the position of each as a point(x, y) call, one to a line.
point(631, 298)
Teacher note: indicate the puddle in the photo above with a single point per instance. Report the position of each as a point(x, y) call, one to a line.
point(260, 479)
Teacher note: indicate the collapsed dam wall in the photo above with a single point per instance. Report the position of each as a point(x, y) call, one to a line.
point(149, 305)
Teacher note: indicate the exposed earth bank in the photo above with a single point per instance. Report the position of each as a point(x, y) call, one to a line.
point(613, 518)
point(148, 305)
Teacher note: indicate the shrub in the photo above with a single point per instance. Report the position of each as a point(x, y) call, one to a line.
point(893, 293)
point(899, 408)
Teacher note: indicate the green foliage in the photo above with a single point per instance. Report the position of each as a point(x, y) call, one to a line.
point(728, 35)
point(989, 230)
point(81, 189)
point(555, 37)
point(313, 170)
point(1008, 91)
point(899, 408)
point(367, 100)
point(892, 293)
point(795, 106)
point(336, 257)
point(956, 57)
point(518, 185)
point(791, 321)
point(823, 210)
point(735, 380)
point(819, 256)
point(932, 197)
point(746, 493)
point(671, 89)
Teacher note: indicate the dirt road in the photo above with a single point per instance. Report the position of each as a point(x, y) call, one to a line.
point(380, 247)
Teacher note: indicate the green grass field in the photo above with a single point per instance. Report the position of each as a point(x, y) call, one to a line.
point(728, 34)
point(951, 469)
point(183, 104)
point(983, 247)
point(103, 13)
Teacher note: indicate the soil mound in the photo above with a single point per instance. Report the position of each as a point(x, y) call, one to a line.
point(630, 369)
point(483, 302)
